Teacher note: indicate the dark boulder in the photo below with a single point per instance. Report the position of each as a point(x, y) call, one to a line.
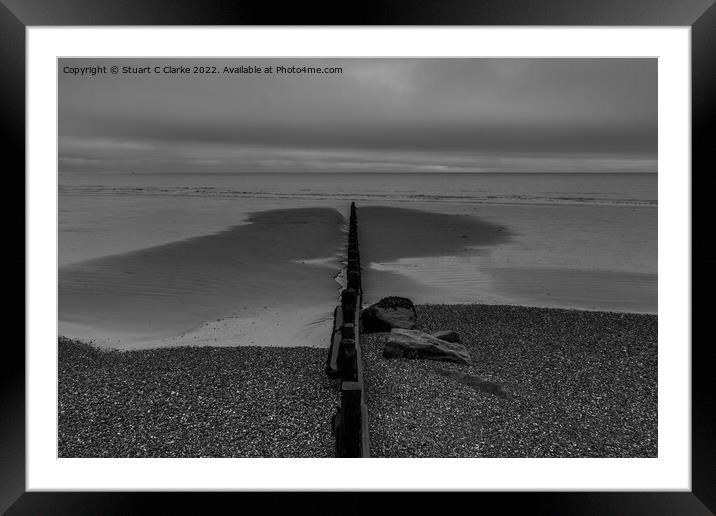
point(389, 313)
point(403, 343)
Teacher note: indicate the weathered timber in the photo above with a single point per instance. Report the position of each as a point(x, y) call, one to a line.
point(336, 336)
point(350, 422)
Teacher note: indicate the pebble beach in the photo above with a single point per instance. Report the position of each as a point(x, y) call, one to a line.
point(194, 402)
point(543, 383)
point(549, 383)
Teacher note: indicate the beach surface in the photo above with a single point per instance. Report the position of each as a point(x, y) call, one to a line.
point(274, 279)
point(546, 256)
point(552, 383)
point(271, 281)
point(150, 261)
point(593, 235)
point(224, 335)
point(194, 402)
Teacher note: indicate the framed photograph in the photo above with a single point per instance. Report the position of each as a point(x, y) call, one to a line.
point(452, 241)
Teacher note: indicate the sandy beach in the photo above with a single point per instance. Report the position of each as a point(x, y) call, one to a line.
point(228, 288)
point(575, 384)
point(271, 280)
point(513, 254)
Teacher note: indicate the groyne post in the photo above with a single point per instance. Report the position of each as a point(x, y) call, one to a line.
point(350, 423)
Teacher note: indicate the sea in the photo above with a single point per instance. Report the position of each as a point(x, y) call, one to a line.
point(572, 241)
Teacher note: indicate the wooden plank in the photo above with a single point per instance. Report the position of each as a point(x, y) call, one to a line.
point(351, 413)
point(364, 431)
point(332, 361)
point(347, 361)
point(348, 303)
point(348, 331)
point(356, 338)
point(354, 280)
point(351, 386)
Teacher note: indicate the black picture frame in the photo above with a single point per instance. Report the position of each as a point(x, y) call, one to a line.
point(700, 15)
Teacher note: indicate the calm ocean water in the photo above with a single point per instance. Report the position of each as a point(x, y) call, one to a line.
point(585, 241)
point(103, 214)
point(623, 189)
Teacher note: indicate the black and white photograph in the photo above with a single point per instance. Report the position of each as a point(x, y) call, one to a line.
point(357, 257)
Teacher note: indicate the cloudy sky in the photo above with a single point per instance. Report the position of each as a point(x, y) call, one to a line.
point(462, 115)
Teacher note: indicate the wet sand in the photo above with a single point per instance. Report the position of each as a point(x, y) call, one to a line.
point(387, 233)
point(243, 276)
point(502, 257)
point(270, 281)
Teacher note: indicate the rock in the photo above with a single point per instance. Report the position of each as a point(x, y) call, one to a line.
point(388, 313)
point(448, 335)
point(477, 383)
point(404, 343)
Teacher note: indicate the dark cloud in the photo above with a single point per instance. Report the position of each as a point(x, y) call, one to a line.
point(447, 113)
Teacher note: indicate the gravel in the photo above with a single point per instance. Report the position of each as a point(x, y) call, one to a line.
point(194, 402)
point(582, 384)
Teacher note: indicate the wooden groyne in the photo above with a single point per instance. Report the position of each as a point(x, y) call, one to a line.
point(344, 362)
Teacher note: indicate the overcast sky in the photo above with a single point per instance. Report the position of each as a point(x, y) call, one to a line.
point(581, 115)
